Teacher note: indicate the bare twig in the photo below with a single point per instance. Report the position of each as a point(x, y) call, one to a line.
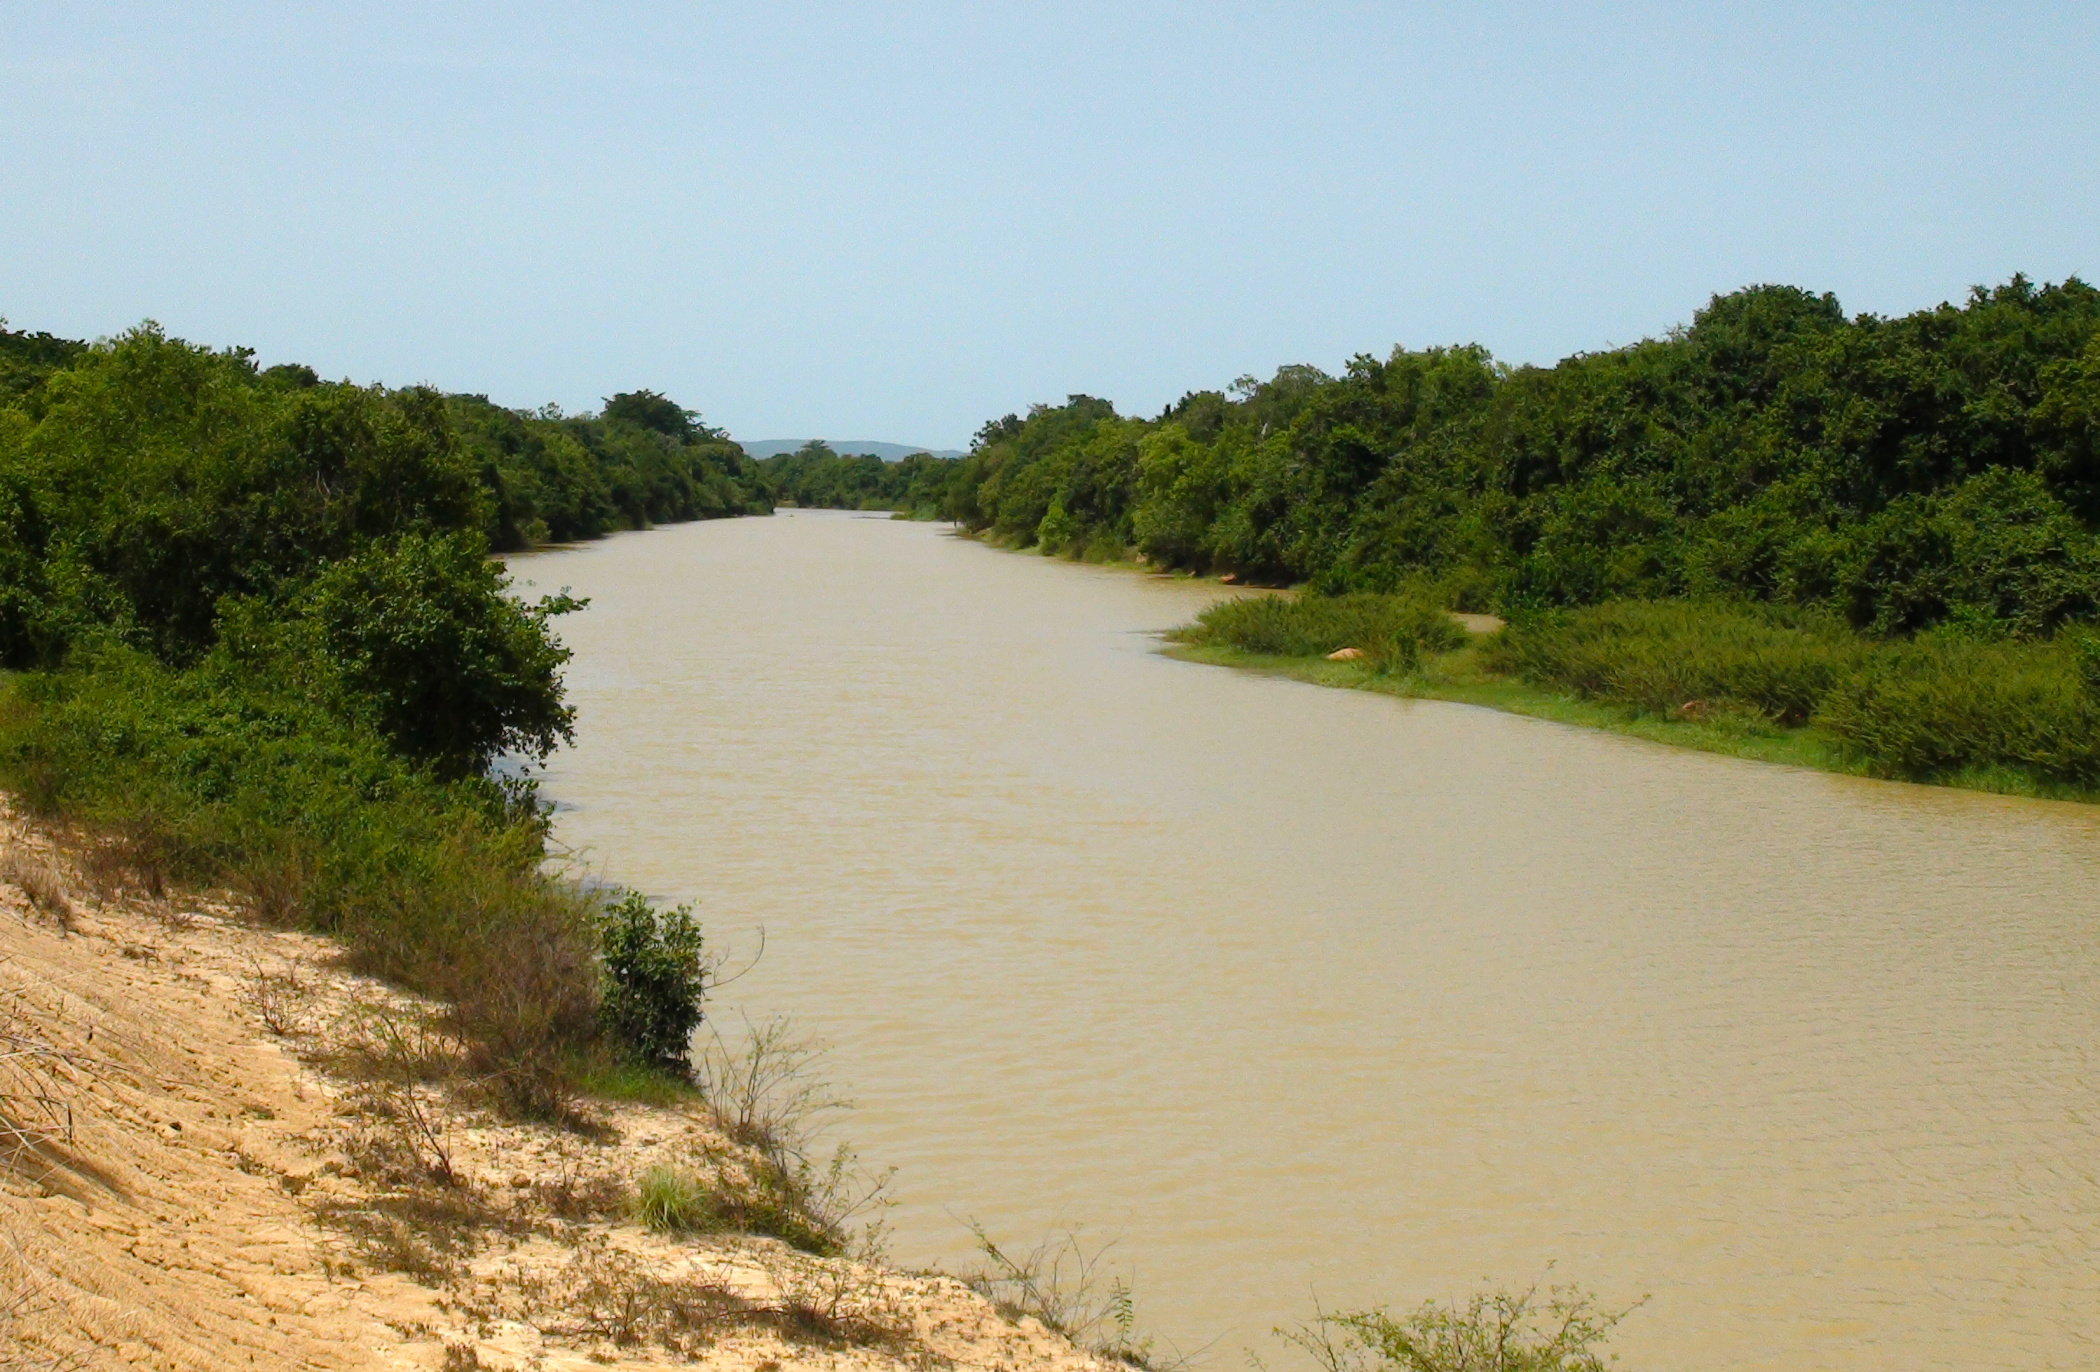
point(278, 999)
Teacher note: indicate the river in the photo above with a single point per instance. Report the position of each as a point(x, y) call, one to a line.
point(1304, 994)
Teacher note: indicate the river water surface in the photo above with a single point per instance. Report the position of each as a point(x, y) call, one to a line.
point(1301, 993)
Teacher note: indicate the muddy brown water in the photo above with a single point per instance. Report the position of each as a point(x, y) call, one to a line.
point(1308, 994)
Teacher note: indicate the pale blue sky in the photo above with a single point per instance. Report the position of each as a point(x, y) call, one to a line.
point(895, 221)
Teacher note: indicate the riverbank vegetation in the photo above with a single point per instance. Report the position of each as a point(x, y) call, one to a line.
point(814, 475)
point(1876, 533)
point(254, 640)
point(1771, 683)
point(1563, 1330)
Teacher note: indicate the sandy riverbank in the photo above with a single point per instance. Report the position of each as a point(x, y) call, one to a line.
point(198, 1177)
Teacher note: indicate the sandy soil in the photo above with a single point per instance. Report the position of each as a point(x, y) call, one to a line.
point(194, 1179)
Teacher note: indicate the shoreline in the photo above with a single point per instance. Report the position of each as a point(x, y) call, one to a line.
point(258, 1154)
point(1457, 679)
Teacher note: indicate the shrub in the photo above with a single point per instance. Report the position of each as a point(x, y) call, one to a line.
point(1497, 1331)
point(1997, 551)
point(1925, 708)
point(1660, 655)
point(455, 672)
point(272, 655)
point(229, 774)
point(1943, 704)
point(655, 980)
point(1391, 630)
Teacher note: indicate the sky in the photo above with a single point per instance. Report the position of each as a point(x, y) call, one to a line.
point(897, 221)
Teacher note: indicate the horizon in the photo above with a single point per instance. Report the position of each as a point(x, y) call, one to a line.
point(858, 447)
point(910, 221)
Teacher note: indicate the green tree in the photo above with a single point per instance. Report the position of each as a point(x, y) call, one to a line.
point(420, 634)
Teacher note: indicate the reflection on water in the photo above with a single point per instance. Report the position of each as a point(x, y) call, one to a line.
point(1308, 992)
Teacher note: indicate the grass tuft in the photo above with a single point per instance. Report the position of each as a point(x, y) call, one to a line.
point(671, 1201)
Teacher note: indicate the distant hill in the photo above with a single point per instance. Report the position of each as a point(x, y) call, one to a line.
point(888, 452)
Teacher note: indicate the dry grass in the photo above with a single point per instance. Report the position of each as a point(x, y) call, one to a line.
point(1494, 1331)
point(120, 862)
point(22, 1299)
point(768, 1096)
point(834, 1302)
point(419, 1216)
point(38, 1083)
point(399, 1160)
point(576, 1195)
point(766, 1090)
point(1066, 1285)
point(616, 1297)
point(40, 884)
point(609, 1294)
point(279, 999)
point(426, 1235)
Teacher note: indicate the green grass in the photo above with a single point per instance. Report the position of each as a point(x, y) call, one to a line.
point(633, 1081)
point(1461, 677)
point(1798, 687)
point(672, 1201)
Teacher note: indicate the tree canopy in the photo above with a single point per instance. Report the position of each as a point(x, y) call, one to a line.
point(1939, 467)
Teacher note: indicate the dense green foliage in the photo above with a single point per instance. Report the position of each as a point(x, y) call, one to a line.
point(817, 477)
point(1886, 526)
point(1946, 707)
point(655, 980)
point(1664, 656)
point(260, 643)
point(1938, 706)
point(642, 461)
point(1899, 473)
point(1392, 631)
point(1943, 705)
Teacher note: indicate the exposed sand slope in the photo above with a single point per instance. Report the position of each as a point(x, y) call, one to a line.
point(219, 1200)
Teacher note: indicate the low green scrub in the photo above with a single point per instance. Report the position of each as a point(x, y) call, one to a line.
point(230, 775)
point(628, 1080)
point(1391, 631)
point(1660, 656)
point(1494, 1331)
point(1943, 707)
point(1949, 706)
point(751, 1195)
point(673, 1201)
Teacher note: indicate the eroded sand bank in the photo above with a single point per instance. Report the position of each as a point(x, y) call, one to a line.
point(196, 1180)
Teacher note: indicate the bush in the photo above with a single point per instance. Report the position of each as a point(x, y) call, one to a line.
point(655, 980)
point(454, 671)
point(1926, 708)
point(272, 654)
point(1943, 704)
point(1496, 1331)
point(1660, 656)
point(1391, 630)
point(1998, 552)
point(229, 774)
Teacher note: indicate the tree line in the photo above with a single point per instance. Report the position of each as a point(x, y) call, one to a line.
point(1938, 467)
point(255, 638)
point(817, 476)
